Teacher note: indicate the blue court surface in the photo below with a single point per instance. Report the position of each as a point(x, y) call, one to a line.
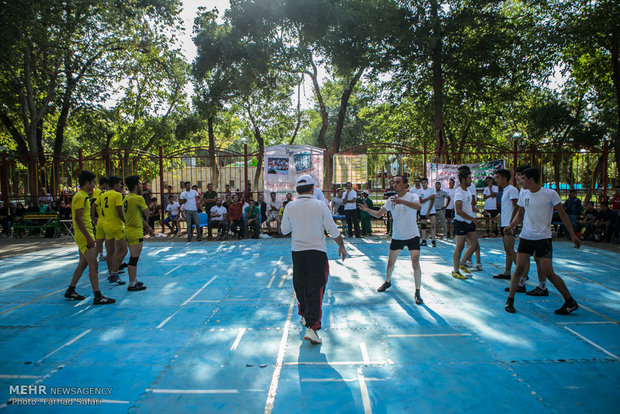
point(217, 331)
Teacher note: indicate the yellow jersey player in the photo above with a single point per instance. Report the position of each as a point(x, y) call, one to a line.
point(98, 219)
point(114, 228)
point(134, 209)
point(84, 238)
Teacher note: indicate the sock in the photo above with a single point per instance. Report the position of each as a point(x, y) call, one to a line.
point(542, 285)
point(510, 300)
point(71, 289)
point(417, 292)
point(569, 301)
point(522, 282)
point(98, 294)
point(132, 284)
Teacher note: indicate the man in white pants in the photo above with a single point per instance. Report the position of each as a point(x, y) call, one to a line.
point(404, 207)
point(307, 219)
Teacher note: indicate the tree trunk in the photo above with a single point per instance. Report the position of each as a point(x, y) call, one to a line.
point(437, 55)
point(322, 108)
point(261, 151)
point(298, 124)
point(215, 171)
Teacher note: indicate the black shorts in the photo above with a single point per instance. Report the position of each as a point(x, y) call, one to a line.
point(492, 213)
point(412, 244)
point(537, 248)
point(426, 216)
point(461, 228)
point(449, 214)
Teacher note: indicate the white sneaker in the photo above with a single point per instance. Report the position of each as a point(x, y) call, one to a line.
point(302, 321)
point(312, 336)
point(477, 268)
point(468, 263)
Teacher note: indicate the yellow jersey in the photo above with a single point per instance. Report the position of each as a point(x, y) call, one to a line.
point(81, 200)
point(133, 205)
point(109, 201)
point(98, 198)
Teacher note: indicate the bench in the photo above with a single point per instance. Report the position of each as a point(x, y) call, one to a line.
point(35, 221)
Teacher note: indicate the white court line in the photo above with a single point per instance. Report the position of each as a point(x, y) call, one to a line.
point(589, 323)
point(284, 277)
point(329, 293)
point(426, 335)
point(273, 387)
point(273, 276)
point(364, 352)
point(167, 319)
point(333, 363)
point(364, 391)
point(172, 270)
point(67, 344)
point(593, 343)
point(6, 376)
point(198, 291)
point(176, 391)
point(238, 339)
point(342, 379)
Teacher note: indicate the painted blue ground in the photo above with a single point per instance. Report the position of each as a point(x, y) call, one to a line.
point(216, 319)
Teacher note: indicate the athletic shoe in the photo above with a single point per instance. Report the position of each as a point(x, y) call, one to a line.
point(423, 242)
point(463, 269)
point(510, 307)
point(115, 279)
point(468, 263)
point(458, 275)
point(312, 336)
point(136, 287)
point(384, 286)
point(502, 276)
point(418, 300)
point(538, 292)
point(567, 308)
point(101, 258)
point(302, 321)
point(520, 289)
point(477, 268)
point(433, 243)
point(73, 295)
point(103, 300)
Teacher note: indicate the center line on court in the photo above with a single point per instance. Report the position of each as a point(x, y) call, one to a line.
point(198, 291)
point(426, 335)
point(66, 344)
point(364, 352)
point(273, 387)
point(238, 339)
point(165, 321)
point(364, 391)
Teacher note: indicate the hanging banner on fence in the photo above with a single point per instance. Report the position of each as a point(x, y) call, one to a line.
point(285, 163)
point(353, 168)
point(479, 172)
point(277, 165)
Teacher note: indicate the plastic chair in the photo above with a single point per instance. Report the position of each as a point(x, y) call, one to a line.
point(203, 220)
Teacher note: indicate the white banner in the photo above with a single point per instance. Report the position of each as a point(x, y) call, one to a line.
point(285, 163)
point(479, 172)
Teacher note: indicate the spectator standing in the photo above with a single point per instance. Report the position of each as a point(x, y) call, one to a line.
point(350, 210)
point(188, 199)
point(450, 206)
point(440, 207)
point(573, 208)
point(209, 198)
point(364, 215)
point(490, 205)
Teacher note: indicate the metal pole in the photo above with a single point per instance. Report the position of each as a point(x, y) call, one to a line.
point(80, 162)
point(605, 155)
point(424, 166)
point(245, 170)
point(161, 188)
point(5, 180)
point(515, 159)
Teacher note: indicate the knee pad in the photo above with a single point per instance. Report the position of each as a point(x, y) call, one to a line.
point(133, 261)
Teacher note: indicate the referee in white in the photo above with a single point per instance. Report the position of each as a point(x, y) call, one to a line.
point(308, 218)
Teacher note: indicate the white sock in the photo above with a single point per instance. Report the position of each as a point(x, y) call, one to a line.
point(522, 281)
point(542, 285)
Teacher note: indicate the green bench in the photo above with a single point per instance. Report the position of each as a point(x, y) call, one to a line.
point(38, 221)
